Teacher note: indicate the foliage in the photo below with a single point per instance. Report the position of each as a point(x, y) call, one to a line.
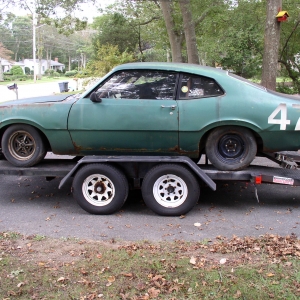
point(289, 51)
point(16, 77)
point(106, 58)
point(16, 70)
point(71, 73)
point(115, 29)
point(240, 268)
point(49, 72)
point(50, 11)
point(4, 54)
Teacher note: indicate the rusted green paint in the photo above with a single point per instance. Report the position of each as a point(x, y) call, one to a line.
point(130, 126)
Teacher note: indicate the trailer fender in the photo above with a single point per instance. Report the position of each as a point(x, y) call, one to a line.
point(157, 159)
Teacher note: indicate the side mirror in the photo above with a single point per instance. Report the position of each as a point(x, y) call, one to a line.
point(95, 98)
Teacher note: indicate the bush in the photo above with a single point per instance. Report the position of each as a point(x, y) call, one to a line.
point(17, 77)
point(16, 70)
point(70, 73)
point(49, 72)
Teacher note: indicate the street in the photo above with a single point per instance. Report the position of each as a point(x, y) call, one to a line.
point(34, 90)
point(33, 206)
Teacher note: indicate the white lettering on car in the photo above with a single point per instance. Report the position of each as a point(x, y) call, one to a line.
point(283, 121)
point(297, 106)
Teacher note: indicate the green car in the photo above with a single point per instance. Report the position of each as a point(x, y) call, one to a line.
point(155, 109)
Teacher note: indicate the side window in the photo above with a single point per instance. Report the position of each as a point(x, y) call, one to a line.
point(141, 84)
point(194, 86)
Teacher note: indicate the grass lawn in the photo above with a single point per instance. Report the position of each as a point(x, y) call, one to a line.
point(36, 267)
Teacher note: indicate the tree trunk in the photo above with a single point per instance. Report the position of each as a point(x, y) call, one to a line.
point(189, 31)
point(271, 45)
point(174, 37)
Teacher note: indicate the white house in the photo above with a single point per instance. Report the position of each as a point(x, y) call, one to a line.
point(45, 64)
point(6, 65)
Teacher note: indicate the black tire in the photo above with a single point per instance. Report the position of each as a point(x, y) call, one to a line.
point(100, 189)
point(23, 146)
point(183, 190)
point(231, 148)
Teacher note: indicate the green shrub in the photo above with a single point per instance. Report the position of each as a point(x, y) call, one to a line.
point(16, 70)
point(49, 72)
point(17, 77)
point(70, 73)
point(286, 89)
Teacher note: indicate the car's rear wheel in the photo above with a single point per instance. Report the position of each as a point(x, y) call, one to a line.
point(170, 190)
point(23, 146)
point(231, 148)
point(100, 188)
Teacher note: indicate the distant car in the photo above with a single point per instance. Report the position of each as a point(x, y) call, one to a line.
point(155, 109)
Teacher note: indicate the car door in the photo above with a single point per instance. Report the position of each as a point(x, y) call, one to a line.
point(198, 102)
point(138, 113)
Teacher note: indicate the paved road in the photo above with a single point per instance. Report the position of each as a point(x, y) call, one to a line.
point(32, 90)
point(31, 205)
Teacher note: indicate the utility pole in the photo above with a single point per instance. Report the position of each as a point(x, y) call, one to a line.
point(34, 23)
point(271, 45)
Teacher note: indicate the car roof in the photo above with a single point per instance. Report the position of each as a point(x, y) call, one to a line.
point(168, 66)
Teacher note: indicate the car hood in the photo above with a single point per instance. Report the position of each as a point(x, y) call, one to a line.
point(43, 99)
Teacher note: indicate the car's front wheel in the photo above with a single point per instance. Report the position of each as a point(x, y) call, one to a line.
point(23, 146)
point(231, 148)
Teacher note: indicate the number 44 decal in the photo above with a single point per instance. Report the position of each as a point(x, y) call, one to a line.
point(283, 121)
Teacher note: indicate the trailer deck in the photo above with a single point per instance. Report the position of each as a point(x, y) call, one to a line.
point(51, 167)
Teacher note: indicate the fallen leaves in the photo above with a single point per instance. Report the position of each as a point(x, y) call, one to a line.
point(193, 260)
point(145, 270)
point(110, 280)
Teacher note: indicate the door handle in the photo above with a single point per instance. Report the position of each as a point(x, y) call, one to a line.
point(171, 106)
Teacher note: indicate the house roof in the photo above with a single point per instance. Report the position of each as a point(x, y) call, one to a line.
point(52, 62)
point(5, 62)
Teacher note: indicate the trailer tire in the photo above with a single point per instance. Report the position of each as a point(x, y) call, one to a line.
point(100, 189)
point(23, 146)
point(181, 185)
point(231, 148)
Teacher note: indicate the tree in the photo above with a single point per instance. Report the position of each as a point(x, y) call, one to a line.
point(189, 31)
point(107, 57)
point(289, 57)
point(233, 39)
point(115, 29)
point(49, 11)
point(4, 54)
point(271, 45)
point(175, 35)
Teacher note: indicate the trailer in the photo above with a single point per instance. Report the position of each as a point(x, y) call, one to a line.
point(170, 184)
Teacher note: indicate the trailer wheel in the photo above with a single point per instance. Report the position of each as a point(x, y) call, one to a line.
point(231, 148)
point(100, 189)
point(23, 146)
point(170, 190)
